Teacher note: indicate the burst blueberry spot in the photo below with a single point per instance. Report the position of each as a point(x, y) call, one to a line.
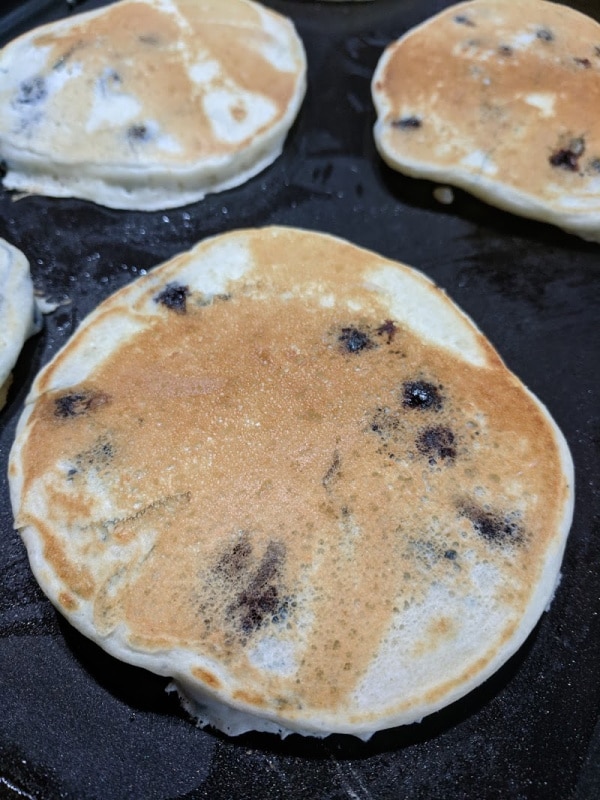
point(545, 35)
point(422, 395)
point(174, 297)
point(406, 123)
point(32, 91)
point(355, 340)
point(461, 19)
point(138, 133)
point(436, 443)
point(493, 527)
point(78, 403)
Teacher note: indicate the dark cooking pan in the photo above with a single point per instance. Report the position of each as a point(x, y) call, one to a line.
point(77, 724)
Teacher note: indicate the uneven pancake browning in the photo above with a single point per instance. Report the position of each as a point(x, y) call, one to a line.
point(294, 476)
point(149, 104)
point(17, 310)
point(499, 98)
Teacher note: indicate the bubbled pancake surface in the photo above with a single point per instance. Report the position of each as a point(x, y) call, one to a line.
point(499, 98)
point(149, 104)
point(293, 475)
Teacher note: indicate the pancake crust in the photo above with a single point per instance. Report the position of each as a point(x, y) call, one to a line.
point(149, 104)
point(292, 475)
point(499, 98)
point(18, 317)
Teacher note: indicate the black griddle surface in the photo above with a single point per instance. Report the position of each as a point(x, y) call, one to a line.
point(75, 723)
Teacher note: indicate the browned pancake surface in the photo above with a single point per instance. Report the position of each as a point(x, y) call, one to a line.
point(499, 97)
point(266, 466)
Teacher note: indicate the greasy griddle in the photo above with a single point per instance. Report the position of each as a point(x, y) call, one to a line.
point(77, 724)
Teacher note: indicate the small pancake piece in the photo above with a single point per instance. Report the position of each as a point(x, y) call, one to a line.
point(295, 477)
point(499, 98)
point(146, 104)
point(18, 315)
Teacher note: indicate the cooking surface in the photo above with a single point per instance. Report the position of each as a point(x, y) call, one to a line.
point(76, 723)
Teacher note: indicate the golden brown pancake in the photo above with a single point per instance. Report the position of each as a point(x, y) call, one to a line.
point(295, 477)
point(499, 98)
point(148, 104)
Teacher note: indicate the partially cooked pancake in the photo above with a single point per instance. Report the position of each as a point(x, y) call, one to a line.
point(147, 104)
point(292, 475)
point(18, 312)
point(500, 98)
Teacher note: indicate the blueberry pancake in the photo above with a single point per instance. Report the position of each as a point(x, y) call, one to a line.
point(147, 104)
point(292, 475)
point(18, 313)
point(499, 98)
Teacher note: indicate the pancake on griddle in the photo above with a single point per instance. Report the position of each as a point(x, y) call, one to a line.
point(295, 477)
point(18, 313)
point(499, 98)
point(147, 104)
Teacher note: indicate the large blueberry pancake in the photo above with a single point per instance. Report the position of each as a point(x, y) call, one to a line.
point(499, 98)
point(18, 312)
point(148, 104)
point(295, 477)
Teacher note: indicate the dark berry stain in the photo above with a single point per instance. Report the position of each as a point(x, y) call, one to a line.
point(32, 92)
point(505, 50)
point(407, 123)
point(461, 19)
point(174, 297)
point(494, 528)
point(568, 157)
point(261, 597)
point(149, 39)
point(333, 471)
point(384, 423)
point(421, 395)
point(583, 62)
point(545, 35)
point(595, 165)
point(138, 133)
point(78, 403)
point(436, 443)
point(354, 340)
point(387, 329)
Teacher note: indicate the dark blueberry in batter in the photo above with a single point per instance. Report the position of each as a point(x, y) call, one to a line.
point(505, 50)
point(32, 92)
point(545, 35)
point(420, 394)
point(261, 598)
point(451, 555)
point(138, 133)
point(494, 528)
point(173, 296)
point(354, 340)
point(407, 122)
point(461, 19)
point(568, 157)
point(437, 443)
point(77, 404)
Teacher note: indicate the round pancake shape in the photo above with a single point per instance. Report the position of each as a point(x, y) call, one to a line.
point(18, 316)
point(292, 475)
point(146, 104)
point(499, 98)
